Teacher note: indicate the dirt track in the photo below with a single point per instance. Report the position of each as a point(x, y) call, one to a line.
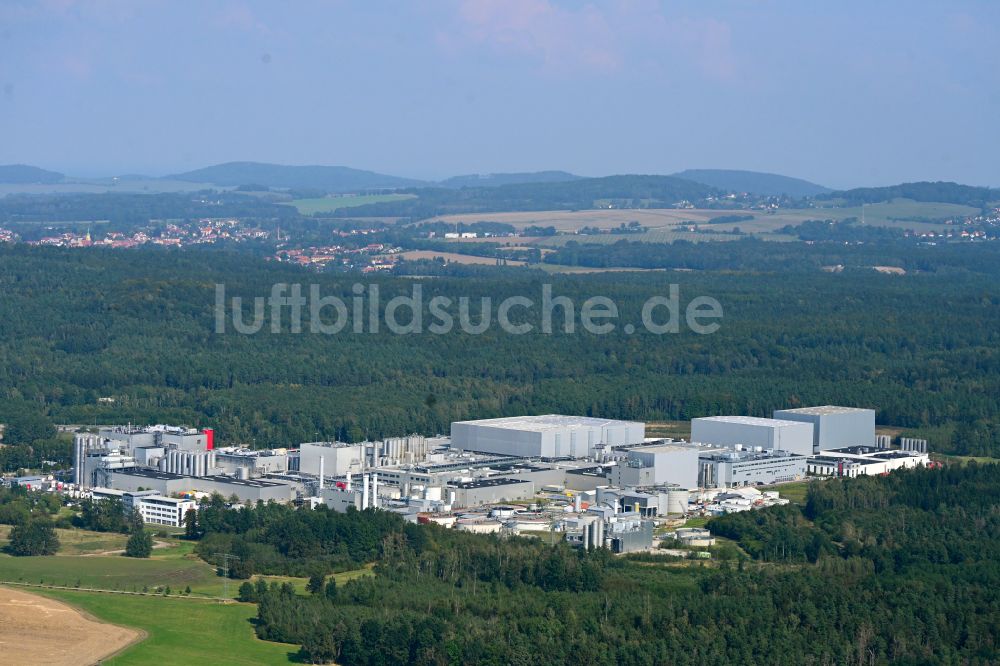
point(37, 630)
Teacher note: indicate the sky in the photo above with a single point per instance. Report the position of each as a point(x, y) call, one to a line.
point(841, 93)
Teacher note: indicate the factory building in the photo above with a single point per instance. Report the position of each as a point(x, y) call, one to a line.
point(189, 463)
point(165, 483)
point(548, 436)
point(491, 491)
point(620, 534)
point(402, 450)
point(118, 448)
point(586, 531)
point(674, 463)
point(338, 458)
point(834, 427)
point(754, 433)
point(344, 495)
point(250, 464)
point(628, 534)
point(863, 460)
point(647, 502)
point(726, 469)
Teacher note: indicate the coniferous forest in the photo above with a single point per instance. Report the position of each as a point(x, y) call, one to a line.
point(107, 337)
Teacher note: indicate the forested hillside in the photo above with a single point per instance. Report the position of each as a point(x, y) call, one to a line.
point(110, 336)
point(944, 192)
point(327, 178)
point(732, 180)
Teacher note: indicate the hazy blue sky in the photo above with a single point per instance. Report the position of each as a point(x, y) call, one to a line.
point(842, 93)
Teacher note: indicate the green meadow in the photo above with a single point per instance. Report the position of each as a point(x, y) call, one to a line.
point(181, 631)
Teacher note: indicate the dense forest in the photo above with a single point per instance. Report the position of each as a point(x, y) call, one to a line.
point(125, 210)
point(108, 337)
point(902, 569)
point(751, 254)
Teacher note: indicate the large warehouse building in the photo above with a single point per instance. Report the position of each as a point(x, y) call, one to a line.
point(548, 436)
point(834, 427)
point(752, 432)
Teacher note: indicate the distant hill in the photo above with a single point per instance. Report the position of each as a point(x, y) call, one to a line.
point(22, 174)
point(329, 178)
point(767, 184)
point(498, 179)
point(942, 192)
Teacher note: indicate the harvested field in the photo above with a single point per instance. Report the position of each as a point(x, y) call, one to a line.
point(453, 257)
point(572, 220)
point(38, 630)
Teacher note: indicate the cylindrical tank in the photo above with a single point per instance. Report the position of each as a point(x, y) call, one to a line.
point(677, 500)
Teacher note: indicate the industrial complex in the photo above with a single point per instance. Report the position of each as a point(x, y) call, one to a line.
point(596, 482)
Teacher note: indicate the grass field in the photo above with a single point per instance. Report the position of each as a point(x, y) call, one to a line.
point(115, 572)
point(175, 566)
point(963, 460)
point(78, 542)
point(300, 583)
point(181, 632)
point(330, 204)
point(794, 492)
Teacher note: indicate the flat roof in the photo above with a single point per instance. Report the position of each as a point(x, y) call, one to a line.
point(167, 476)
point(751, 420)
point(487, 483)
point(666, 448)
point(826, 410)
point(852, 461)
point(546, 422)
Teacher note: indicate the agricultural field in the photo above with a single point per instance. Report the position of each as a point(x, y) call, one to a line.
point(570, 221)
point(181, 631)
point(330, 204)
point(667, 235)
point(668, 225)
point(454, 257)
point(39, 630)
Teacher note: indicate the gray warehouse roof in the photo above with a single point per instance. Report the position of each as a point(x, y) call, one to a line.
point(826, 410)
point(545, 422)
point(750, 420)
